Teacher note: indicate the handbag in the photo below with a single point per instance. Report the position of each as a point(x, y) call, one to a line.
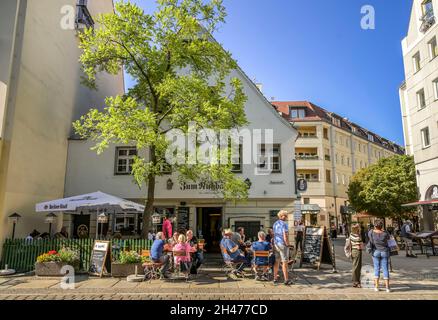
point(370, 245)
point(393, 247)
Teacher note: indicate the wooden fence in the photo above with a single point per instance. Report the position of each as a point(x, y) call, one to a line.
point(21, 254)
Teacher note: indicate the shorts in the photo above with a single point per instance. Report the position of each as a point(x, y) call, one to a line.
point(281, 252)
point(408, 242)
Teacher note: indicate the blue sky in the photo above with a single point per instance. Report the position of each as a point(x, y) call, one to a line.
point(317, 51)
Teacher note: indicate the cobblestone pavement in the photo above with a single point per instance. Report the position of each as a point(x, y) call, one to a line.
point(412, 279)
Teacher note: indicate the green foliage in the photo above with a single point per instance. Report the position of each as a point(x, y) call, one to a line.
point(65, 255)
point(181, 74)
point(127, 257)
point(382, 188)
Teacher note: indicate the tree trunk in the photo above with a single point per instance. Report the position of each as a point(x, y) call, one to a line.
point(149, 207)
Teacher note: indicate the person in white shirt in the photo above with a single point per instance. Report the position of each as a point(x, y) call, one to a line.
point(406, 235)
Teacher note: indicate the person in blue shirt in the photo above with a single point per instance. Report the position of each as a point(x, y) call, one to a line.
point(231, 251)
point(261, 245)
point(281, 247)
point(157, 253)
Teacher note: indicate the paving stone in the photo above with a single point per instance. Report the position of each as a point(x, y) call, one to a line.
point(36, 284)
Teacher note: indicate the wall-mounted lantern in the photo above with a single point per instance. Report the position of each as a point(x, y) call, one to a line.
point(169, 184)
point(248, 182)
point(14, 219)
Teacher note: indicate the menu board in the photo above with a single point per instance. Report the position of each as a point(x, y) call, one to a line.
point(183, 218)
point(100, 258)
point(312, 245)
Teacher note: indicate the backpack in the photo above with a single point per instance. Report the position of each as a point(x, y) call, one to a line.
point(347, 248)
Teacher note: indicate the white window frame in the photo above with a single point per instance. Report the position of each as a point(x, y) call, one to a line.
point(262, 158)
point(128, 157)
point(421, 93)
point(416, 59)
point(433, 53)
point(423, 137)
point(435, 88)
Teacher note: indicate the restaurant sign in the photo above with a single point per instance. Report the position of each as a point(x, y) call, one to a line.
point(55, 206)
point(202, 186)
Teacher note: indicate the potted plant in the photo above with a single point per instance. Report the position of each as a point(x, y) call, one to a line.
point(51, 263)
point(126, 264)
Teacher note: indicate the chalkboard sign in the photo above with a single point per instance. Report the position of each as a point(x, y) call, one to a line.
point(317, 248)
point(183, 218)
point(312, 245)
point(100, 258)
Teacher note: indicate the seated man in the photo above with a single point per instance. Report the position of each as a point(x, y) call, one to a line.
point(231, 251)
point(261, 245)
point(198, 256)
point(157, 253)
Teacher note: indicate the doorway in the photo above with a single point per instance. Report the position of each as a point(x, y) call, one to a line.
point(209, 226)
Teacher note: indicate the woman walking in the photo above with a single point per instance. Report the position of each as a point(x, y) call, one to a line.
point(380, 251)
point(356, 254)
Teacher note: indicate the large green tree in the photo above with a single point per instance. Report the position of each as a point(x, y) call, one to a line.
point(180, 75)
point(383, 187)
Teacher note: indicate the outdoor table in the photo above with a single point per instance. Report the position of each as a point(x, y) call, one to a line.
point(421, 236)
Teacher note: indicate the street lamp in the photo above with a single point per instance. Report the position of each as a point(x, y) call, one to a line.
point(102, 218)
point(14, 219)
point(50, 218)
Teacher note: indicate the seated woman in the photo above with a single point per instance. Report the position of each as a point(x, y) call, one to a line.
point(182, 260)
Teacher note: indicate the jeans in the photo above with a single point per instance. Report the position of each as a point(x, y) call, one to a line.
point(198, 259)
point(165, 260)
point(245, 260)
point(380, 259)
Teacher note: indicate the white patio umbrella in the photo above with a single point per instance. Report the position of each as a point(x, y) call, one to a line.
point(94, 200)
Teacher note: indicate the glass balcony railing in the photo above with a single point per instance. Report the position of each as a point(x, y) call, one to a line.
point(427, 20)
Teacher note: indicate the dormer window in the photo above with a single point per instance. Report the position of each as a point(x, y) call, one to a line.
point(295, 112)
point(336, 122)
point(428, 17)
point(371, 137)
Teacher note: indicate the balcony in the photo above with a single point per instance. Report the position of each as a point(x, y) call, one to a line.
point(427, 20)
point(83, 16)
point(306, 157)
point(307, 135)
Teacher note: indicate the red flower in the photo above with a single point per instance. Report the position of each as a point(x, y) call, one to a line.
point(52, 252)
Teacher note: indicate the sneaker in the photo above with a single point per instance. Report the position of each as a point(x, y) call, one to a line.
point(258, 278)
point(275, 282)
point(376, 289)
point(414, 256)
point(388, 290)
point(265, 278)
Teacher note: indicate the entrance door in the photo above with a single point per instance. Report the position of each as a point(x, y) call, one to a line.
point(81, 226)
point(209, 225)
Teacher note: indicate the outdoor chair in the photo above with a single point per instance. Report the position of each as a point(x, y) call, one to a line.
point(179, 266)
point(432, 245)
point(258, 269)
point(151, 269)
point(231, 267)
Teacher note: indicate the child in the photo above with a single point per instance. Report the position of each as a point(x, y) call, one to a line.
point(182, 260)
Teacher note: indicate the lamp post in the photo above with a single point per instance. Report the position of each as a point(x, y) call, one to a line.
point(102, 218)
point(50, 218)
point(14, 218)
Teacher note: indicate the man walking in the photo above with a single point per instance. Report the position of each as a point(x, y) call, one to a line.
point(281, 247)
point(405, 233)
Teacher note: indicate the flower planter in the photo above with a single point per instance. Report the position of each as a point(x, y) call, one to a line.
point(125, 269)
point(50, 269)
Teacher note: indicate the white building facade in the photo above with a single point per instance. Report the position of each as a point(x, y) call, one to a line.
point(419, 102)
point(195, 206)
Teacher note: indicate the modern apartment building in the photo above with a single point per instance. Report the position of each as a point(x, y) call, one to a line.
point(329, 150)
point(419, 104)
point(40, 96)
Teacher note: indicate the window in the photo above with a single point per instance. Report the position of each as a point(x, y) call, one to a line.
point(361, 164)
point(306, 200)
point(421, 99)
point(328, 176)
point(347, 143)
point(125, 223)
point(370, 137)
point(425, 138)
point(416, 61)
point(299, 113)
point(327, 154)
point(125, 159)
point(427, 6)
point(337, 178)
point(342, 160)
point(237, 167)
point(274, 163)
point(336, 122)
point(348, 161)
point(343, 179)
point(337, 158)
point(325, 133)
point(340, 140)
point(435, 88)
point(433, 49)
